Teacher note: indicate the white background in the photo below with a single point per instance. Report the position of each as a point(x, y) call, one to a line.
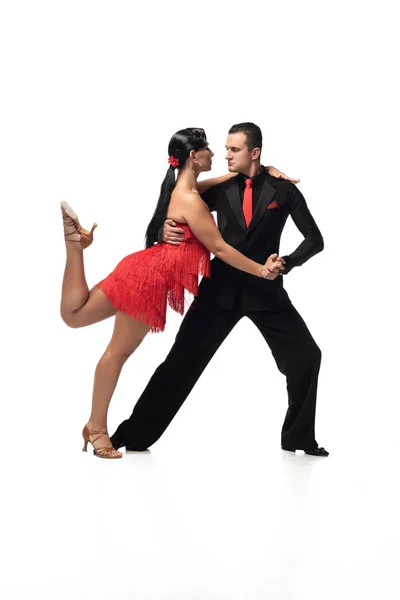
point(91, 92)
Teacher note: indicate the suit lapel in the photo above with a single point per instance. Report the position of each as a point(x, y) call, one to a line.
point(266, 195)
point(234, 201)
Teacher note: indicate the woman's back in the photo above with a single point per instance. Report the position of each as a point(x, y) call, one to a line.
point(179, 198)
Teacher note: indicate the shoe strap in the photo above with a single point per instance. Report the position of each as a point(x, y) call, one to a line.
point(106, 451)
point(96, 435)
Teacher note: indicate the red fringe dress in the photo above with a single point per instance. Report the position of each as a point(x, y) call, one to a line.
point(144, 282)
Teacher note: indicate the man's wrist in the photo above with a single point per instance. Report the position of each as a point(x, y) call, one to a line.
point(287, 266)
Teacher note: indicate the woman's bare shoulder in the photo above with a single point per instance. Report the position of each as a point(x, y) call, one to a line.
point(185, 195)
point(181, 200)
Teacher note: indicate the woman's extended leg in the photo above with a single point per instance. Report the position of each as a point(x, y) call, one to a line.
point(79, 307)
point(127, 336)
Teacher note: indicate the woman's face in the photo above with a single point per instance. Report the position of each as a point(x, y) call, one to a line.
point(204, 157)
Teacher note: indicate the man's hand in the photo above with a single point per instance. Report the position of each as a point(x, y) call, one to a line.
point(172, 234)
point(275, 263)
point(279, 175)
point(273, 266)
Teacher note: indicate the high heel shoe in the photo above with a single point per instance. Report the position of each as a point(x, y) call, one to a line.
point(70, 219)
point(103, 451)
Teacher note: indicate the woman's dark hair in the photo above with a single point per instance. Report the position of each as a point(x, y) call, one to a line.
point(252, 132)
point(179, 147)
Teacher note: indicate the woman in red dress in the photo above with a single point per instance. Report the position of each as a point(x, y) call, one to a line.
point(140, 287)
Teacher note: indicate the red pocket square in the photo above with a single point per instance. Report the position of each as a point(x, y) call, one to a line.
point(273, 204)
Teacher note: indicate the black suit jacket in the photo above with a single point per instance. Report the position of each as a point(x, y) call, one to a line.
point(228, 285)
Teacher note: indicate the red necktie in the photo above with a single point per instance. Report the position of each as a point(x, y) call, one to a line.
point(248, 201)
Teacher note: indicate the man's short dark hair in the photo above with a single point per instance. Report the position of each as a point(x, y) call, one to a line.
point(253, 134)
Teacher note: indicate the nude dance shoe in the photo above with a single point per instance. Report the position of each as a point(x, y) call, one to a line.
point(103, 451)
point(77, 234)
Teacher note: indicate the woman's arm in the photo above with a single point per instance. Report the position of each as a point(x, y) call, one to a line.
point(279, 175)
point(203, 186)
point(204, 228)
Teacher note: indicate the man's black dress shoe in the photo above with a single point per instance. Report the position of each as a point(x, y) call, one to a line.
point(117, 444)
point(314, 452)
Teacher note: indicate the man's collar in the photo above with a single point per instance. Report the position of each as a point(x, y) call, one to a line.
point(256, 179)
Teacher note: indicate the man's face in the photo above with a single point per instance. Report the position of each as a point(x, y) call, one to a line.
point(238, 155)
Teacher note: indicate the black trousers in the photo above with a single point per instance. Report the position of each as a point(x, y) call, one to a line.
point(203, 330)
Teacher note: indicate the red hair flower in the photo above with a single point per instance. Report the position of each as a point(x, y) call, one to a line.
point(174, 162)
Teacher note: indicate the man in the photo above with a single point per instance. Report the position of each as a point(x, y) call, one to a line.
point(252, 209)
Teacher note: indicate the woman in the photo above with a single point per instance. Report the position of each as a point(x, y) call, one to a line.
point(138, 290)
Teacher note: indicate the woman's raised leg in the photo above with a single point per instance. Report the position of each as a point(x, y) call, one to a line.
point(79, 306)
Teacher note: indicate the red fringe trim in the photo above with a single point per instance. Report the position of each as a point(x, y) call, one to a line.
point(144, 282)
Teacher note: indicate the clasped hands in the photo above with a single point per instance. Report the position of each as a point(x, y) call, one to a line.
point(273, 267)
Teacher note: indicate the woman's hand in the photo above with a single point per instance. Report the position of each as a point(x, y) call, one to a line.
point(273, 267)
point(279, 175)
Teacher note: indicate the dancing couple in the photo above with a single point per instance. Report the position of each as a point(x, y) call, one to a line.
point(252, 203)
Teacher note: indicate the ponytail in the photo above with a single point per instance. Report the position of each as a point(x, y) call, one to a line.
point(160, 213)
